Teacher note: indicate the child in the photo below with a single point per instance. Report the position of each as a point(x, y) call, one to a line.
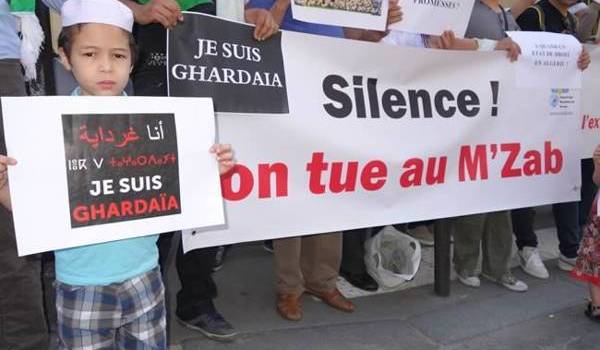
point(108, 295)
point(587, 267)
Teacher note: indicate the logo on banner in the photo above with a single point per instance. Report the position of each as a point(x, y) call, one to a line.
point(208, 57)
point(121, 167)
point(562, 102)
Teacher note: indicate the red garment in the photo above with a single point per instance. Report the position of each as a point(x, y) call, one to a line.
point(587, 268)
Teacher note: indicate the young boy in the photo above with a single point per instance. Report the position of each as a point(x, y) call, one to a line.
point(109, 295)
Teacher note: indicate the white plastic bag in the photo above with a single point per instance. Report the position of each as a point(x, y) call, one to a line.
point(392, 258)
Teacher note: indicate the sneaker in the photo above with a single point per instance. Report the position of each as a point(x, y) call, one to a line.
point(566, 264)
point(469, 281)
point(212, 325)
point(268, 245)
point(220, 258)
point(531, 262)
point(510, 282)
point(422, 234)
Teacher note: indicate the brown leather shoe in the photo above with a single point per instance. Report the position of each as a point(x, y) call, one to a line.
point(334, 299)
point(288, 306)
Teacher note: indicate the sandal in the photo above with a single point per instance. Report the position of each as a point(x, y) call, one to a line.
point(593, 312)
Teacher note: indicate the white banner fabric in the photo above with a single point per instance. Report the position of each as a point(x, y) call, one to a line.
point(379, 134)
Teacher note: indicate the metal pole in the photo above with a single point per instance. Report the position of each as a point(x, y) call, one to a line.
point(442, 264)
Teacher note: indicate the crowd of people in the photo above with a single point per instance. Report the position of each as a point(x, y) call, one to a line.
point(111, 295)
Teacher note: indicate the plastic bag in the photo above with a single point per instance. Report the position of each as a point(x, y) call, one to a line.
point(392, 258)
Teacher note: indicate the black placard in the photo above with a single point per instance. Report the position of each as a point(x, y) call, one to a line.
point(121, 167)
point(210, 57)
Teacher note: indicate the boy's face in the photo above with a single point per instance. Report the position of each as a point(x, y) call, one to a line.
point(100, 59)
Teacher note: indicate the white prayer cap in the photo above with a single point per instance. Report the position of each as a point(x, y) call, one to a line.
point(111, 12)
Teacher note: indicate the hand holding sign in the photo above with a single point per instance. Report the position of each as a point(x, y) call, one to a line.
point(4, 193)
point(584, 59)
point(224, 155)
point(265, 24)
point(545, 53)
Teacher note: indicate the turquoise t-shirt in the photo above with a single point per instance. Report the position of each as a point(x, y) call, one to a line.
point(106, 263)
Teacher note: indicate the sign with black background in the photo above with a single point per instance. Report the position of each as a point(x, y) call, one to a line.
point(210, 57)
point(121, 167)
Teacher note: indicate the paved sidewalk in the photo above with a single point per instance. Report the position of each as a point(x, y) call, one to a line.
point(549, 316)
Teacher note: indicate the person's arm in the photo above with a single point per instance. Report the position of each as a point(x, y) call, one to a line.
point(165, 12)
point(4, 190)
point(279, 9)
point(5, 197)
point(265, 24)
point(584, 60)
point(520, 6)
point(596, 158)
point(448, 41)
point(529, 20)
point(224, 155)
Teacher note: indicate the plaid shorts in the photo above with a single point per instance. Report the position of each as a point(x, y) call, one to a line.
point(129, 315)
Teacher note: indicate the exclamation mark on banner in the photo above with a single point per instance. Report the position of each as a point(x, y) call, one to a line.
point(495, 86)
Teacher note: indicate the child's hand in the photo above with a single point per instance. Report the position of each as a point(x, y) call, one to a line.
point(584, 59)
point(4, 163)
point(265, 24)
point(224, 155)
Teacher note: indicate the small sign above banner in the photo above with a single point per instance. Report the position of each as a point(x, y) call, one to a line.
point(433, 17)
point(542, 52)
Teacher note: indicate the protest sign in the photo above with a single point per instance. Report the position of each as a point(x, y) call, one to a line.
point(226, 65)
point(365, 14)
point(451, 15)
point(98, 169)
point(378, 134)
point(547, 59)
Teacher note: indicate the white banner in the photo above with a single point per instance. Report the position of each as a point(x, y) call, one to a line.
point(589, 124)
point(419, 16)
point(99, 169)
point(378, 134)
point(365, 14)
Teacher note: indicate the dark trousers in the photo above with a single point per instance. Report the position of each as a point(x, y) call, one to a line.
point(353, 249)
point(569, 217)
point(195, 274)
point(22, 319)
